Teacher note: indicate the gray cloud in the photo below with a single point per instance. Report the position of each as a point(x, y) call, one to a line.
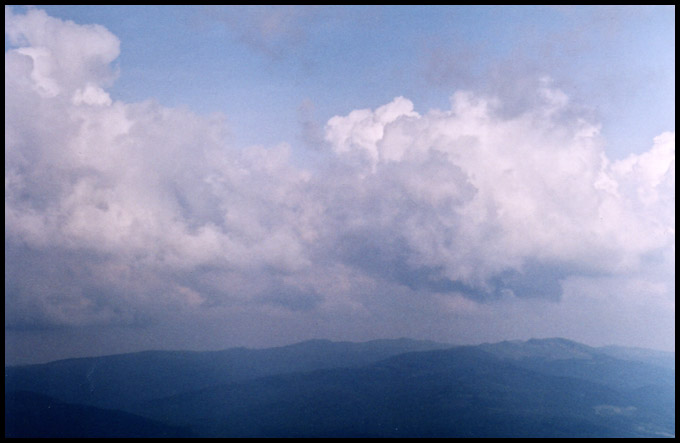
point(292, 298)
point(57, 287)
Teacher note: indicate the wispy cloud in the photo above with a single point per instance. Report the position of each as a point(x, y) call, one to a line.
point(273, 30)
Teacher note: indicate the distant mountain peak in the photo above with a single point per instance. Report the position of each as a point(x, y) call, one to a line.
point(546, 348)
point(554, 341)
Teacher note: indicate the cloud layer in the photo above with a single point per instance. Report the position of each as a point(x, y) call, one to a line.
point(127, 213)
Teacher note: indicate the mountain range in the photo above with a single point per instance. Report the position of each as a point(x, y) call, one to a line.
point(382, 388)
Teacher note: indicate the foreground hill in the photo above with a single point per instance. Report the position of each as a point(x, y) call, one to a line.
point(31, 415)
point(538, 388)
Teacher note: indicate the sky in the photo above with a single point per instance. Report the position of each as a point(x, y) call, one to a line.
point(201, 178)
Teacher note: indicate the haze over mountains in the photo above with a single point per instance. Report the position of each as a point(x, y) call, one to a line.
point(319, 388)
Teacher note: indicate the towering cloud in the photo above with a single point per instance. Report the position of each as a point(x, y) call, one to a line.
point(145, 189)
point(118, 213)
point(472, 195)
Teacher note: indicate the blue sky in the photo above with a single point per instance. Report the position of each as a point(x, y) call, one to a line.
point(205, 177)
point(619, 62)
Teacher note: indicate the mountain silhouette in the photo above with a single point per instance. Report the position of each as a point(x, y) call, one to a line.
point(385, 388)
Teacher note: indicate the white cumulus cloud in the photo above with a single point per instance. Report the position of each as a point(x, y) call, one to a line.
point(471, 193)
